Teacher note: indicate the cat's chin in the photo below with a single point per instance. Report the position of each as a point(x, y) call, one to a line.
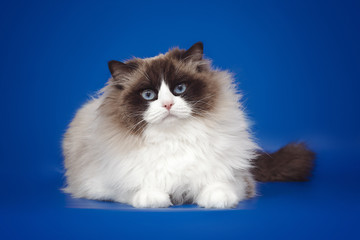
point(170, 118)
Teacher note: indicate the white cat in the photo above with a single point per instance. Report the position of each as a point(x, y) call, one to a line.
point(165, 130)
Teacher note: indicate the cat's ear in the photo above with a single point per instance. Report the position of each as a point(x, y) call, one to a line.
point(117, 69)
point(194, 53)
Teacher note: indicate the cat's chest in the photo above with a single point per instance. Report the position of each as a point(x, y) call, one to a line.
point(174, 153)
point(172, 163)
point(165, 161)
point(186, 145)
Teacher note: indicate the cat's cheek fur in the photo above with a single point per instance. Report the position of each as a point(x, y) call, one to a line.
point(156, 112)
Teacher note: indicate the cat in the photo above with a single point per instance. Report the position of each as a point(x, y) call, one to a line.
point(170, 130)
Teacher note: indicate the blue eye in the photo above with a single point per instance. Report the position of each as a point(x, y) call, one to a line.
point(148, 94)
point(179, 89)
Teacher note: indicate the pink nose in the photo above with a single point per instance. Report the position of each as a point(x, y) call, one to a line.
point(168, 105)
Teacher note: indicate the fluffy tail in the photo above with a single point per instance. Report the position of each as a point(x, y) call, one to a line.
point(294, 162)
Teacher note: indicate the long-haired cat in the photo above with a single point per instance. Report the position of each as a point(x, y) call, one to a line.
point(168, 130)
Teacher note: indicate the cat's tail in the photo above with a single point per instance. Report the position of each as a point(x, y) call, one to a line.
point(293, 162)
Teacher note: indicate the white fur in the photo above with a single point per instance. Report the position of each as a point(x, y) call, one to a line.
point(208, 158)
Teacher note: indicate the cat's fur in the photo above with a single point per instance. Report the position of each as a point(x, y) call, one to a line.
point(192, 147)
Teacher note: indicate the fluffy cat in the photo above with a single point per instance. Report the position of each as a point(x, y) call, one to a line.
point(168, 130)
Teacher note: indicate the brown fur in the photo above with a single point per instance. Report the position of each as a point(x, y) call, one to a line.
point(294, 162)
point(124, 104)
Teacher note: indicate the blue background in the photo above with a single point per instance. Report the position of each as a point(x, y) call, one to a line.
point(297, 63)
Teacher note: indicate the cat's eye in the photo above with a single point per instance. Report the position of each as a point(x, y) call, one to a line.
point(179, 89)
point(148, 94)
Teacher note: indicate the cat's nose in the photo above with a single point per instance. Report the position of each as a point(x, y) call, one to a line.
point(168, 105)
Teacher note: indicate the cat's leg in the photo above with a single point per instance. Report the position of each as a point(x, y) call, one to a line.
point(221, 195)
point(150, 198)
point(250, 185)
point(245, 177)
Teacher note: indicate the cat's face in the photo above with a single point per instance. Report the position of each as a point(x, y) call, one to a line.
point(162, 90)
point(167, 103)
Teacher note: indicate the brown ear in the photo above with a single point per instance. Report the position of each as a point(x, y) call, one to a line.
point(118, 68)
point(194, 53)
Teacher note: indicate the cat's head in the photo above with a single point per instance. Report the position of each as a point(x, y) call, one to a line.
point(165, 89)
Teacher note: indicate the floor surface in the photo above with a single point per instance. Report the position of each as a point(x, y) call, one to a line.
point(327, 207)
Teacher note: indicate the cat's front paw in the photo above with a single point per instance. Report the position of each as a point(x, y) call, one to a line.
point(147, 198)
point(217, 197)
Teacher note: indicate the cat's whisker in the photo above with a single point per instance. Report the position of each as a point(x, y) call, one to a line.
point(131, 130)
point(202, 101)
point(207, 97)
point(203, 114)
point(155, 116)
